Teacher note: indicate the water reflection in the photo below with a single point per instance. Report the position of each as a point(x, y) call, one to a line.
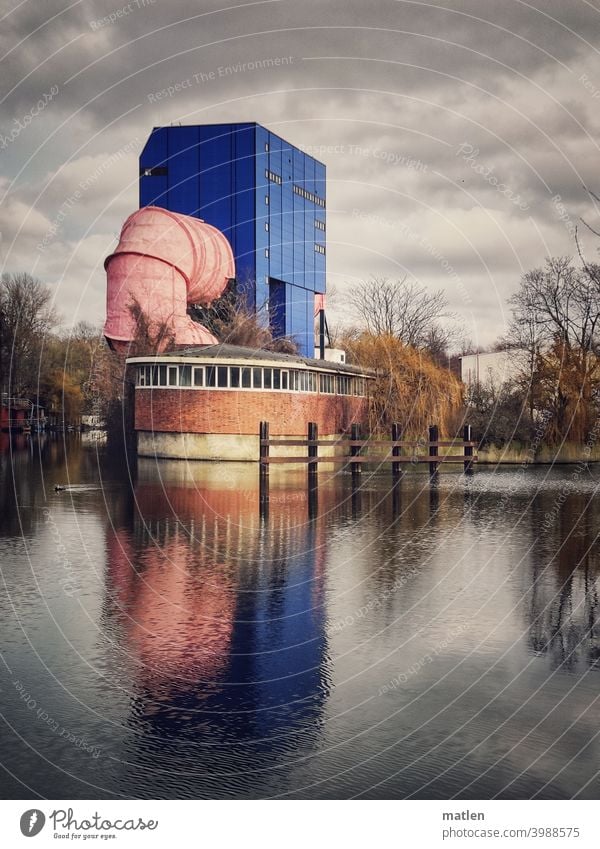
point(219, 612)
point(30, 466)
point(207, 651)
point(562, 597)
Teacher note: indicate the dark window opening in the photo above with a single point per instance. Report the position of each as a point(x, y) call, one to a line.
point(159, 171)
point(222, 377)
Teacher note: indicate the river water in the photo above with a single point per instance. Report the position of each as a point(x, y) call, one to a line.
point(162, 638)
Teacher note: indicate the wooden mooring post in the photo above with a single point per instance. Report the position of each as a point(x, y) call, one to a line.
point(378, 452)
point(313, 448)
point(434, 435)
point(468, 449)
point(313, 468)
point(395, 450)
point(355, 449)
point(264, 470)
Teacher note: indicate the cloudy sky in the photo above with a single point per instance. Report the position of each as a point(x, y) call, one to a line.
point(459, 136)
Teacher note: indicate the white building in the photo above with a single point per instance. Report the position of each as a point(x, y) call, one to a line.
point(332, 355)
point(493, 369)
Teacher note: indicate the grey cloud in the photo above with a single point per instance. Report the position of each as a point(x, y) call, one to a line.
point(388, 83)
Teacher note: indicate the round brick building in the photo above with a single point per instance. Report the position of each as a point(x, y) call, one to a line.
point(207, 403)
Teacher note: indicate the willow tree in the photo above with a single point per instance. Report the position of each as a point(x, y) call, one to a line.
point(409, 387)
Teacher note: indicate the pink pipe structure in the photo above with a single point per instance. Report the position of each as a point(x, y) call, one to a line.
point(164, 262)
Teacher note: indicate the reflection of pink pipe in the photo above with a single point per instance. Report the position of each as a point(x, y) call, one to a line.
point(165, 261)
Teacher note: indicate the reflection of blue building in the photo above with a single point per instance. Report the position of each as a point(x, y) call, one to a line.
point(265, 195)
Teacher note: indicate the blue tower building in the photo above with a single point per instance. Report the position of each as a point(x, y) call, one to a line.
point(266, 195)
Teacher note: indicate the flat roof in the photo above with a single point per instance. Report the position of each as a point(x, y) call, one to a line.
point(238, 352)
point(244, 124)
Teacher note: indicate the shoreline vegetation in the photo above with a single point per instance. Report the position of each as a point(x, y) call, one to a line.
point(516, 454)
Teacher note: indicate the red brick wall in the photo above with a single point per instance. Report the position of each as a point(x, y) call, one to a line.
point(12, 417)
point(214, 411)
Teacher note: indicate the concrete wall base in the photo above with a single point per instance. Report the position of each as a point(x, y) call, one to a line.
point(225, 446)
point(517, 454)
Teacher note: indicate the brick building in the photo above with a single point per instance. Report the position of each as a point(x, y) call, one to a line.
point(207, 403)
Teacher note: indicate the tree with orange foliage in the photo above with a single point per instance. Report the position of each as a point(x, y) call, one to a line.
point(409, 387)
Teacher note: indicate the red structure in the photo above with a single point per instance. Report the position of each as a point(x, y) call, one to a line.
point(14, 414)
point(163, 263)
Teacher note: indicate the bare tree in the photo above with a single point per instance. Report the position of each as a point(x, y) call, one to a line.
point(592, 270)
point(556, 319)
point(150, 336)
point(399, 308)
point(596, 200)
point(26, 317)
point(440, 340)
point(558, 303)
point(233, 321)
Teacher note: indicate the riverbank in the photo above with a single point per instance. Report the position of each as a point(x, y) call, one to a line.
point(517, 454)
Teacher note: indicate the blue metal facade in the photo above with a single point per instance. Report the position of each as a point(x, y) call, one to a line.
point(265, 195)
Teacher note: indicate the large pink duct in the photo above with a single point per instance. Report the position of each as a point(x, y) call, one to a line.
point(165, 261)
